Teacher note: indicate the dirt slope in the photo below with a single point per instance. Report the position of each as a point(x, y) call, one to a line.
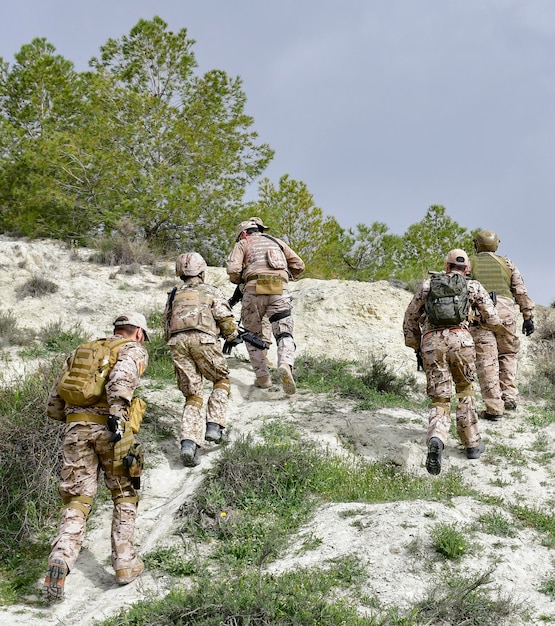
point(332, 318)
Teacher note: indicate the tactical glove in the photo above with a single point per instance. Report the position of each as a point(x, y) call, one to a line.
point(228, 345)
point(116, 425)
point(419, 361)
point(528, 327)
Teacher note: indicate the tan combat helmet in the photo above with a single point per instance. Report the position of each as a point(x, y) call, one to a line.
point(486, 241)
point(190, 264)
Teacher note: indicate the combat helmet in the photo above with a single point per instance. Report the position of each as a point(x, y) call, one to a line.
point(190, 264)
point(486, 241)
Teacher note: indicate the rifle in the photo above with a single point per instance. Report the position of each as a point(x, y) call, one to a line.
point(236, 297)
point(252, 339)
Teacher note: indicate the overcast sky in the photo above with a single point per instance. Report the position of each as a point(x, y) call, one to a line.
point(382, 107)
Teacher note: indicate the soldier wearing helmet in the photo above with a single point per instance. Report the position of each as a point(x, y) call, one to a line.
point(447, 352)
point(496, 354)
point(265, 264)
point(194, 317)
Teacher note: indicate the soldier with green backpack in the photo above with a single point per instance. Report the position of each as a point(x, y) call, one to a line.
point(93, 396)
point(436, 326)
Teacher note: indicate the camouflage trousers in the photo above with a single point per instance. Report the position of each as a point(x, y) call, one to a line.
point(86, 450)
point(448, 357)
point(253, 310)
point(487, 369)
point(197, 356)
point(508, 345)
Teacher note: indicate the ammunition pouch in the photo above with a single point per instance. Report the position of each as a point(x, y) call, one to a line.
point(269, 284)
point(136, 413)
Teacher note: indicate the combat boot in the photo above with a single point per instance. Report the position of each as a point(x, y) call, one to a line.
point(287, 380)
point(489, 416)
point(189, 453)
point(128, 575)
point(263, 382)
point(213, 432)
point(53, 587)
point(475, 453)
point(433, 460)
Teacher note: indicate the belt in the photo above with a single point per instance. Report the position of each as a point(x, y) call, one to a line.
point(96, 418)
point(257, 276)
point(440, 330)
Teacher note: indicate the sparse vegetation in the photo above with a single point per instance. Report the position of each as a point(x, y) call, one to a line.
point(36, 287)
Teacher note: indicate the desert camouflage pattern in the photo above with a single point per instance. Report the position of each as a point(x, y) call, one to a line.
point(449, 358)
point(197, 356)
point(254, 308)
point(498, 381)
point(199, 306)
point(249, 258)
point(86, 450)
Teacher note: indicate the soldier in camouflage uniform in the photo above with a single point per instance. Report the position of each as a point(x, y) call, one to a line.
point(88, 440)
point(448, 356)
point(194, 317)
point(265, 264)
point(497, 354)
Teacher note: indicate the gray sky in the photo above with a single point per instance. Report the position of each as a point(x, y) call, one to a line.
point(382, 108)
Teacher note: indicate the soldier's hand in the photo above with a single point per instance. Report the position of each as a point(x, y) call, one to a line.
point(116, 426)
point(528, 327)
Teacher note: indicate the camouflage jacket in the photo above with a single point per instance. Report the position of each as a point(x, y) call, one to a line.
point(120, 386)
point(415, 323)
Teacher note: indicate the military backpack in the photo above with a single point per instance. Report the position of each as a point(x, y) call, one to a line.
point(447, 304)
point(83, 382)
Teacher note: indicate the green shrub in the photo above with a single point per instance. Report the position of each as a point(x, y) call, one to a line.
point(36, 287)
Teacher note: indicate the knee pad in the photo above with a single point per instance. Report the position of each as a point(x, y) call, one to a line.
point(195, 401)
point(224, 384)
point(81, 503)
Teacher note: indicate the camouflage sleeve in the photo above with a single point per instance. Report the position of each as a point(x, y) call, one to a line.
point(519, 291)
point(413, 314)
point(294, 262)
point(124, 377)
point(482, 304)
point(234, 263)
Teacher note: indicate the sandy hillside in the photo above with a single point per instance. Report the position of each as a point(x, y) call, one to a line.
point(332, 318)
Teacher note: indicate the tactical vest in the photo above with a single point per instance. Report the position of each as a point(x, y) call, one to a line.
point(264, 256)
point(492, 271)
point(192, 310)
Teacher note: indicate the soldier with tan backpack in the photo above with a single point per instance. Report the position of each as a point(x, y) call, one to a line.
point(93, 395)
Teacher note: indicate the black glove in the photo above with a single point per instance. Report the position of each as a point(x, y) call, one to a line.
point(228, 345)
point(528, 327)
point(419, 361)
point(116, 425)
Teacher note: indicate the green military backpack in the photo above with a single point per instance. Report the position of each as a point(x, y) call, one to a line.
point(83, 382)
point(447, 304)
